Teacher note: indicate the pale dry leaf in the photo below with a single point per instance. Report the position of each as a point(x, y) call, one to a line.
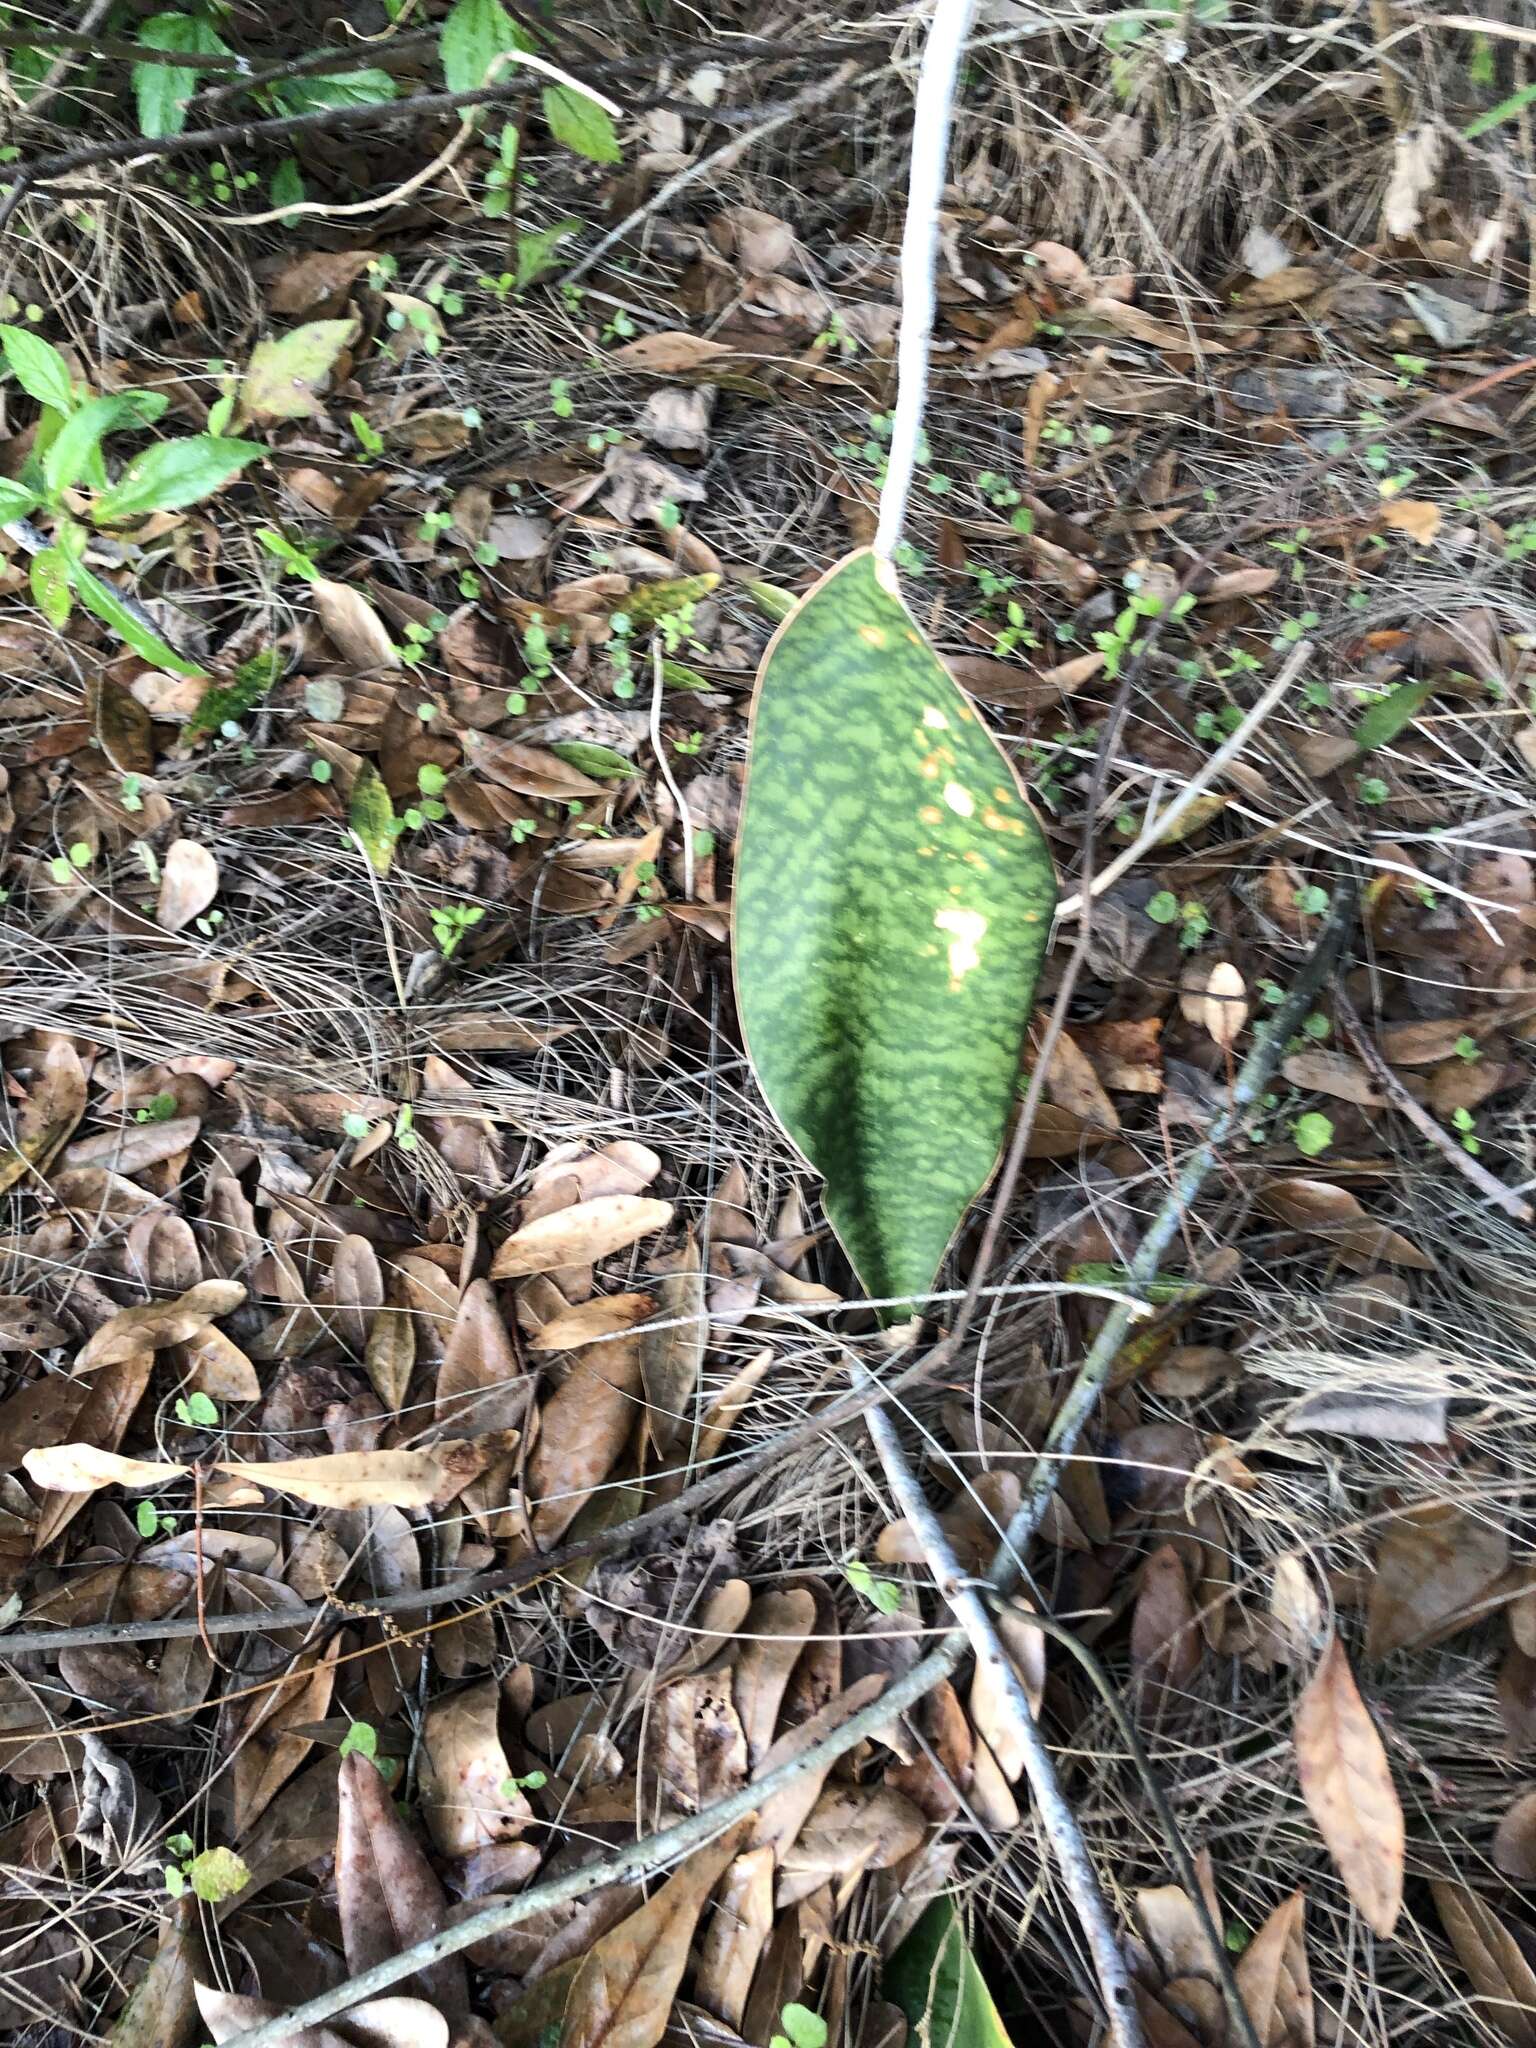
point(1434, 1564)
point(777, 1626)
point(1347, 1784)
point(1416, 156)
point(992, 1715)
point(1501, 1976)
point(1514, 1839)
point(1295, 1606)
point(1417, 517)
point(580, 1235)
point(47, 1116)
point(389, 2022)
point(153, 1324)
point(781, 1817)
point(387, 1894)
point(1274, 1979)
point(264, 1737)
point(1214, 998)
point(352, 625)
point(390, 1356)
point(217, 1367)
point(82, 1468)
point(370, 1479)
point(467, 1798)
point(189, 881)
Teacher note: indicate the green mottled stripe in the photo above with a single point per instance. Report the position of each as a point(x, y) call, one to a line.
point(894, 896)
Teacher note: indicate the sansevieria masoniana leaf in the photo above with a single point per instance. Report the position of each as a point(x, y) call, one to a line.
point(894, 896)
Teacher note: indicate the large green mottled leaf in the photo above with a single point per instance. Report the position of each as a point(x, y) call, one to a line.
point(934, 1979)
point(893, 905)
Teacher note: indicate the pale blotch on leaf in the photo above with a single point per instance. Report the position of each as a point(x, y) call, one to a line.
point(966, 928)
point(934, 719)
point(873, 636)
point(960, 800)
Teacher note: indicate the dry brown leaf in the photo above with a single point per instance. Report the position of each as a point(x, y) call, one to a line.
point(375, 2023)
point(1274, 1980)
point(1295, 1607)
point(50, 1112)
point(1072, 1085)
point(352, 625)
point(102, 1419)
point(693, 1747)
point(1323, 1210)
point(1504, 1981)
point(467, 1800)
point(154, 1324)
point(266, 1747)
point(82, 1468)
point(776, 1628)
point(605, 1315)
point(1434, 1564)
point(1514, 1839)
point(1166, 1643)
point(370, 1479)
point(390, 1357)
point(1347, 1784)
point(668, 354)
point(387, 1894)
point(781, 1817)
point(579, 1235)
point(623, 1992)
point(1214, 998)
point(582, 1429)
point(189, 881)
point(216, 1366)
point(671, 1359)
point(480, 1385)
point(850, 1829)
point(734, 1936)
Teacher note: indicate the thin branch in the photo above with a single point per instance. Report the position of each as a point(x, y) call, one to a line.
point(1253, 1078)
point(1430, 1127)
point(931, 120)
point(1056, 1815)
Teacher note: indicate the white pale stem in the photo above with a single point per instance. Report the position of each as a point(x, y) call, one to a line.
point(931, 122)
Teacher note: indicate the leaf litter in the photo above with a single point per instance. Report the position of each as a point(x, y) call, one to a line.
point(387, 1201)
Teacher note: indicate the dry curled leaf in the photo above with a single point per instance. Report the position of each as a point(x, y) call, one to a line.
point(579, 1235)
point(1347, 1783)
point(1495, 1961)
point(154, 1324)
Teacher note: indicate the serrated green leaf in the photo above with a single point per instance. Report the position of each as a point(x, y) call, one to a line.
point(603, 762)
point(1387, 717)
point(107, 603)
point(580, 124)
point(218, 1874)
point(73, 451)
point(51, 593)
point(284, 374)
point(38, 368)
point(537, 252)
point(371, 816)
point(475, 33)
point(648, 602)
point(934, 1979)
point(173, 474)
point(161, 91)
point(894, 896)
point(16, 500)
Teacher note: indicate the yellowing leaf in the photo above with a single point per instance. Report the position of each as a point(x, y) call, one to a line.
point(580, 1234)
point(894, 897)
point(1347, 1784)
point(284, 376)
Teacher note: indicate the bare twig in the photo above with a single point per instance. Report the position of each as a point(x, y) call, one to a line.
point(1430, 1127)
point(1056, 1815)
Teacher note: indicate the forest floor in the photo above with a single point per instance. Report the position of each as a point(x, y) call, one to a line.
point(371, 1085)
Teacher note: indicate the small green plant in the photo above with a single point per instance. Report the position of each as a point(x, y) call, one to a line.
point(530, 1781)
point(1191, 917)
point(1312, 1133)
point(195, 1411)
point(158, 1110)
point(68, 456)
point(1462, 1121)
point(1312, 901)
point(882, 1594)
point(149, 1521)
point(212, 1875)
point(1467, 1048)
point(802, 2028)
point(450, 921)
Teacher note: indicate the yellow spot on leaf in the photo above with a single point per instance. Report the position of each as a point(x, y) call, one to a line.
point(996, 823)
point(965, 928)
point(873, 636)
point(959, 799)
point(930, 814)
point(929, 766)
point(1002, 796)
point(972, 858)
point(934, 718)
